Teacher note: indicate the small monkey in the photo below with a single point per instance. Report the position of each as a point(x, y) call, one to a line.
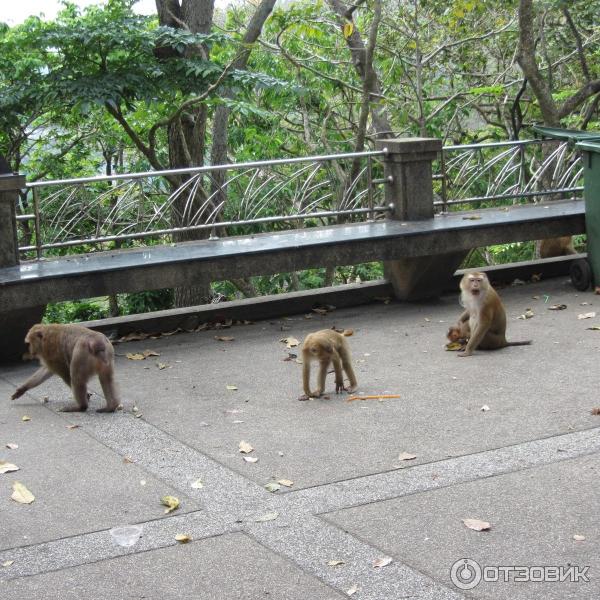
point(327, 346)
point(75, 354)
point(560, 246)
point(459, 333)
point(484, 318)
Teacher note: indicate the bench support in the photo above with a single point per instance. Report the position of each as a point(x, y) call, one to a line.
point(409, 190)
point(15, 322)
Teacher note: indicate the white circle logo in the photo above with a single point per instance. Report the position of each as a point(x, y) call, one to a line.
point(465, 574)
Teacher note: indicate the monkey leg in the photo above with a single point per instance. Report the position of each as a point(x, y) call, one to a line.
point(339, 374)
point(323, 365)
point(110, 393)
point(80, 373)
point(350, 372)
point(41, 375)
point(493, 341)
point(475, 340)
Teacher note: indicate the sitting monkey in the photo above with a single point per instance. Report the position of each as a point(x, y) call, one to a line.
point(327, 346)
point(75, 354)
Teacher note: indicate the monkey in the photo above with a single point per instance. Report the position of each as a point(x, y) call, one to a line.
point(484, 318)
point(459, 333)
point(560, 246)
point(75, 354)
point(327, 346)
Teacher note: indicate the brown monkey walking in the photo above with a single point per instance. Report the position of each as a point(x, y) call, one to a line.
point(75, 354)
point(327, 346)
point(484, 318)
point(561, 246)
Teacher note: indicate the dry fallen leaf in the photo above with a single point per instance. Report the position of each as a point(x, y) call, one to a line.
point(245, 447)
point(6, 467)
point(348, 332)
point(557, 307)
point(73, 426)
point(12, 446)
point(320, 311)
point(231, 388)
point(536, 277)
point(7, 563)
point(161, 366)
point(476, 524)
point(596, 411)
point(135, 356)
point(528, 314)
point(21, 494)
point(579, 538)
point(224, 338)
point(352, 590)
point(266, 517)
point(382, 562)
point(272, 487)
point(170, 502)
point(285, 482)
point(594, 328)
point(290, 342)
point(589, 315)
point(182, 538)
point(250, 459)
point(127, 460)
point(335, 563)
point(406, 456)
point(197, 485)
point(25, 418)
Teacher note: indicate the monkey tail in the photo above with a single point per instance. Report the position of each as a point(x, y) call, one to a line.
point(524, 343)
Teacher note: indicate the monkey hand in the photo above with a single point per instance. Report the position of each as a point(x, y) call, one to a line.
point(339, 387)
point(18, 393)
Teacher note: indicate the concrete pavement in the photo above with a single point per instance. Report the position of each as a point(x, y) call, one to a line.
point(528, 465)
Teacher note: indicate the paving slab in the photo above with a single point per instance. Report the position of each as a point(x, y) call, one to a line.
point(227, 566)
point(532, 391)
point(534, 515)
point(79, 484)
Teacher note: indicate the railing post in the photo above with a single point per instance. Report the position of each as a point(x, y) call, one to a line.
point(14, 321)
point(10, 184)
point(409, 191)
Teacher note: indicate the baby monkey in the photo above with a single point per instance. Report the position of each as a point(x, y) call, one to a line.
point(75, 354)
point(483, 321)
point(327, 346)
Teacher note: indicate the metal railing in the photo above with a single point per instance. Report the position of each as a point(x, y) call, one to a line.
point(105, 212)
point(500, 173)
point(97, 213)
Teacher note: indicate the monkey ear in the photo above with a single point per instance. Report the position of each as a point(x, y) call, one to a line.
point(39, 334)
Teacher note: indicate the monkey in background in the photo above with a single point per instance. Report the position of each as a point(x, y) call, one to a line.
point(561, 246)
point(483, 321)
point(327, 346)
point(75, 354)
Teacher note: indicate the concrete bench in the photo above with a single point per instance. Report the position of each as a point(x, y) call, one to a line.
point(420, 251)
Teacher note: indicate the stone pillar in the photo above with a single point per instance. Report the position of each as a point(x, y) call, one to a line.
point(407, 166)
point(14, 322)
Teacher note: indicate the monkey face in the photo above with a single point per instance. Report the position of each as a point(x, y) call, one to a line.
point(476, 283)
point(453, 334)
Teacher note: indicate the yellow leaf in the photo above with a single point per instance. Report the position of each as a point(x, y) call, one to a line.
point(348, 332)
point(182, 538)
point(348, 29)
point(7, 563)
point(285, 482)
point(290, 342)
point(6, 467)
point(21, 494)
point(454, 346)
point(25, 418)
point(135, 356)
point(231, 388)
point(170, 502)
point(334, 563)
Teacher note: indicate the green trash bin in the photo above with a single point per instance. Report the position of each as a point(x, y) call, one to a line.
point(584, 272)
point(590, 274)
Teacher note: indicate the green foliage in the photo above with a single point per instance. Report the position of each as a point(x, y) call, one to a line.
point(71, 312)
point(141, 302)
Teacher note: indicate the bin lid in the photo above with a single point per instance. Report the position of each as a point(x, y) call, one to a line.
point(567, 135)
point(592, 145)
